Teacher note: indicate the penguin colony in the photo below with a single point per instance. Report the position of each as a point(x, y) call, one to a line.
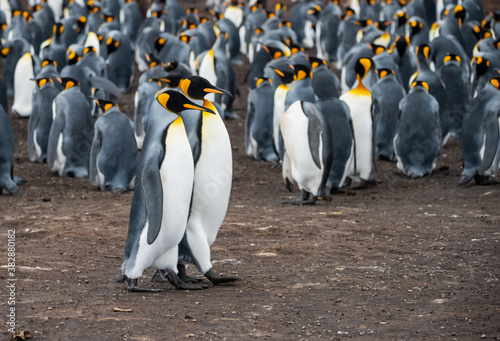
point(412, 75)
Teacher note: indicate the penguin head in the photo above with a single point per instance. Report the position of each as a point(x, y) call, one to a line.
point(377, 49)
point(68, 82)
point(316, 62)
point(423, 51)
point(294, 48)
point(363, 66)
point(285, 71)
point(262, 80)
point(401, 44)
point(301, 72)
point(108, 17)
point(173, 80)
point(47, 62)
point(4, 51)
point(197, 87)
point(57, 29)
point(495, 81)
point(384, 72)
point(40, 82)
point(81, 22)
point(349, 11)
point(152, 60)
point(73, 55)
point(104, 104)
point(419, 85)
point(159, 43)
point(382, 25)
point(112, 44)
point(459, 14)
point(450, 58)
point(171, 65)
point(89, 49)
point(274, 52)
point(481, 65)
point(480, 32)
point(415, 26)
point(176, 102)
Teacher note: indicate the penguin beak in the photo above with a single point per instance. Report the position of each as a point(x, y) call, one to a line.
point(198, 107)
point(218, 91)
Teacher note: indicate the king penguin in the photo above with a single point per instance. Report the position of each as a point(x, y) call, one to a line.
point(417, 143)
point(162, 196)
point(259, 122)
point(359, 100)
point(7, 179)
point(71, 132)
point(308, 152)
point(386, 95)
point(480, 135)
point(40, 119)
point(212, 180)
point(113, 156)
point(26, 69)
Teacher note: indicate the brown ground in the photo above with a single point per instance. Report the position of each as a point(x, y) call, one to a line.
point(405, 260)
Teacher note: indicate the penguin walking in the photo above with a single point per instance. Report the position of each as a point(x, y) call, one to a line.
point(308, 155)
point(480, 137)
point(359, 100)
point(162, 198)
point(417, 143)
point(386, 95)
point(259, 142)
point(40, 119)
point(71, 132)
point(212, 180)
point(113, 156)
point(7, 179)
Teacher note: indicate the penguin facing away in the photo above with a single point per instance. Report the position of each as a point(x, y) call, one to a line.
point(417, 143)
point(113, 156)
point(162, 195)
point(40, 119)
point(71, 132)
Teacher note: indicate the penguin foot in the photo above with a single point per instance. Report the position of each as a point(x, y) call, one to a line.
point(336, 190)
point(185, 277)
point(132, 284)
point(231, 115)
point(181, 285)
point(365, 184)
point(19, 181)
point(159, 276)
point(216, 279)
point(484, 180)
point(306, 198)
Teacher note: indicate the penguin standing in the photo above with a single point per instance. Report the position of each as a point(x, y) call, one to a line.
point(308, 155)
point(417, 143)
point(26, 69)
point(71, 133)
point(386, 95)
point(480, 136)
point(40, 119)
point(113, 156)
point(259, 122)
point(162, 196)
point(120, 59)
point(7, 179)
point(324, 82)
point(212, 180)
point(359, 100)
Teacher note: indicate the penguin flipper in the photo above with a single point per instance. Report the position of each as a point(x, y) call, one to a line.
point(152, 187)
point(55, 129)
point(94, 152)
point(314, 130)
point(491, 142)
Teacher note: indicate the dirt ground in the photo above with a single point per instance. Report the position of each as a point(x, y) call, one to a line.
point(404, 260)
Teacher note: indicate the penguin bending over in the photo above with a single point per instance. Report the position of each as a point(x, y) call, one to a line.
point(308, 155)
point(113, 156)
point(162, 197)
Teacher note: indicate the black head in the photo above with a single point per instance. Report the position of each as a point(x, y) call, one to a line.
point(176, 102)
point(197, 87)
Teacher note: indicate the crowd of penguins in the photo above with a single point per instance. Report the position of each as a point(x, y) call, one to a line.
point(412, 75)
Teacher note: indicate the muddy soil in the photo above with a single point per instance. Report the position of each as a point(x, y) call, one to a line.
point(403, 260)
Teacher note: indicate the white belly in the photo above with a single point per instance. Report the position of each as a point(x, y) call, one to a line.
point(279, 108)
point(24, 86)
point(207, 70)
point(60, 160)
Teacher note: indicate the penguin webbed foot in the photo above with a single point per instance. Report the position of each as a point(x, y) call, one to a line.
point(484, 180)
point(179, 284)
point(216, 279)
point(185, 277)
point(305, 198)
point(132, 284)
point(366, 183)
point(18, 180)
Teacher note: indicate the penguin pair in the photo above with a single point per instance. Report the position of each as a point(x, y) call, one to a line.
point(176, 218)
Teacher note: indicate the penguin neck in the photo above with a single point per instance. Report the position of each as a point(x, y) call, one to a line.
point(209, 105)
point(360, 86)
